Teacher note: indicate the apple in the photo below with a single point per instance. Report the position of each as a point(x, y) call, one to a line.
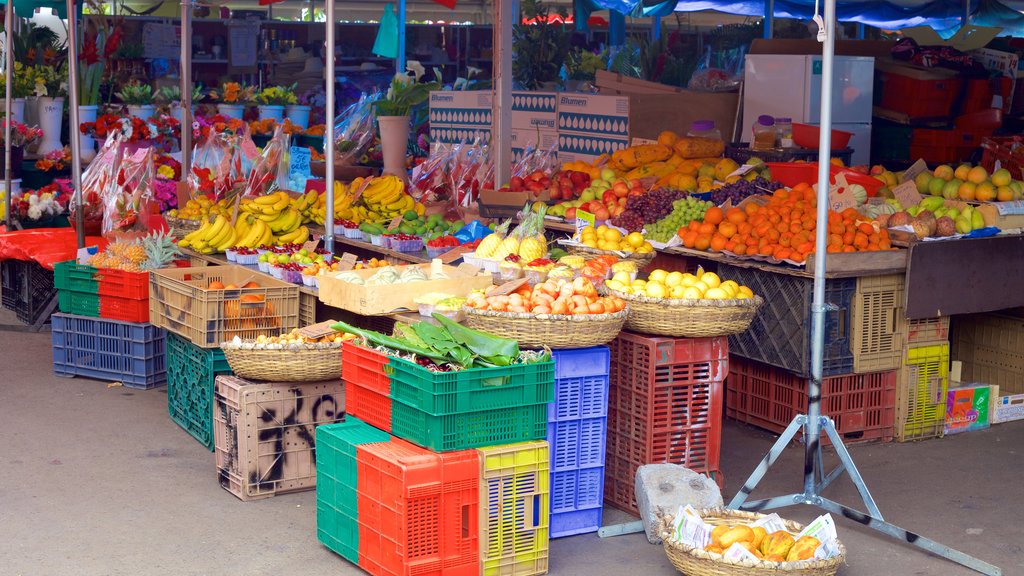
point(570, 213)
point(516, 183)
point(588, 194)
point(607, 174)
point(609, 197)
point(601, 213)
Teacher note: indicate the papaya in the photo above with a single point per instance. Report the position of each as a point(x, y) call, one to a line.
point(737, 534)
point(777, 543)
point(716, 533)
point(803, 549)
point(774, 558)
point(714, 549)
point(759, 534)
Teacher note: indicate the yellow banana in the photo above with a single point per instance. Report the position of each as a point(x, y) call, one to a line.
point(254, 234)
point(268, 199)
point(228, 242)
point(214, 231)
point(219, 239)
point(267, 238)
point(243, 225)
point(297, 236)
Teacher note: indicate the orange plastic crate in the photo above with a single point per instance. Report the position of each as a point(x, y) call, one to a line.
point(123, 309)
point(367, 368)
point(418, 510)
point(368, 405)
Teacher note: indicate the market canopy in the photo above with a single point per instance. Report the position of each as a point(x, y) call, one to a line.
point(27, 7)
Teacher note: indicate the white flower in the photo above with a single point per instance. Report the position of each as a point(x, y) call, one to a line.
point(403, 78)
point(40, 89)
point(33, 200)
point(416, 68)
point(35, 212)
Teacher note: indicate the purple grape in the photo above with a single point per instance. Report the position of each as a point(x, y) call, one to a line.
point(740, 190)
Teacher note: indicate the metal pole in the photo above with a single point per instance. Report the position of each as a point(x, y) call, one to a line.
point(860, 31)
point(769, 18)
point(9, 79)
point(656, 28)
point(185, 75)
point(966, 20)
point(400, 61)
point(616, 28)
point(329, 136)
point(76, 142)
point(501, 107)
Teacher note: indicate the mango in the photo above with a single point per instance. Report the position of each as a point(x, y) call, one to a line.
point(774, 558)
point(803, 549)
point(759, 535)
point(737, 534)
point(777, 543)
point(716, 533)
point(714, 549)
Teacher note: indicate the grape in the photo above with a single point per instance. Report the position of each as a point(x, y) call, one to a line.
point(683, 211)
point(738, 191)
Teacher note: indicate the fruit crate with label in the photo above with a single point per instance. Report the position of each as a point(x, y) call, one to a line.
point(110, 350)
point(780, 333)
point(514, 509)
point(28, 289)
point(991, 348)
point(196, 304)
point(337, 527)
point(863, 406)
point(264, 433)
point(577, 432)
point(921, 386)
point(664, 405)
point(418, 511)
point(191, 376)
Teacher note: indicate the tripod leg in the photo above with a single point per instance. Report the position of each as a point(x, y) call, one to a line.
point(762, 468)
point(846, 461)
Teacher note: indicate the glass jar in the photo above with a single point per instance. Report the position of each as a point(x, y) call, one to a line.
point(704, 129)
point(784, 127)
point(765, 134)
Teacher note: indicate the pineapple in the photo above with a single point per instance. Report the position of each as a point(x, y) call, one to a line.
point(532, 245)
point(510, 245)
point(159, 249)
point(490, 244)
point(136, 254)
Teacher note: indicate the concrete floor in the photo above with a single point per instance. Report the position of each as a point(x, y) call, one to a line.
point(99, 481)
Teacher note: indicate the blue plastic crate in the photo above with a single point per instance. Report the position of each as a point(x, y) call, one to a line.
point(191, 373)
point(581, 383)
point(577, 443)
point(577, 501)
point(127, 352)
point(574, 362)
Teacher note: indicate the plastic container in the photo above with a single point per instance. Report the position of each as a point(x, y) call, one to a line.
point(191, 372)
point(878, 334)
point(436, 252)
point(28, 289)
point(231, 255)
point(124, 309)
point(247, 259)
point(365, 367)
point(352, 233)
point(784, 128)
point(110, 350)
point(764, 133)
point(704, 129)
point(368, 405)
point(921, 393)
point(469, 429)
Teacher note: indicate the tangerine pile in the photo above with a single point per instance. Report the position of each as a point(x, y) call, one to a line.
point(784, 228)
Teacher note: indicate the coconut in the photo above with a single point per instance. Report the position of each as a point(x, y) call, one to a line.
point(945, 226)
point(883, 220)
point(923, 227)
point(899, 219)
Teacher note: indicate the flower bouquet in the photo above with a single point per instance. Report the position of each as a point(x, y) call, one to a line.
point(46, 207)
point(126, 206)
point(277, 96)
point(56, 161)
point(233, 93)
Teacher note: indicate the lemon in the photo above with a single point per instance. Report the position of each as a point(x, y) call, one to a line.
point(613, 284)
point(638, 283)
point(729, 290)
point(602, 230)
point(692, 293)
point(733, 287)
point(677, 292)
point(612, 235)
point(711, 279)
point(689, 279)
point(656, 290)
point(746, 292)
point(622, 278)
point(716, 294)
point(700, 286)
point(590, 243)
point(674, 279)
point(658, 275)
point(635, 239)
point(627, 289)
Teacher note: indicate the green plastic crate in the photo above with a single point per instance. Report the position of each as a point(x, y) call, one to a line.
point(71, 275)
point(336, 505)
point(79, 303)
point(445, 393)
point(191, 372)
point(469, 429)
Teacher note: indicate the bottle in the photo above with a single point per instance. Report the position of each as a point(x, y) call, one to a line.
point(704, 129)
point(765, 134)
point(784, 126)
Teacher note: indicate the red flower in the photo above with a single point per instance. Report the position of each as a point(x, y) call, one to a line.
point(90, 54)
point(113, 41)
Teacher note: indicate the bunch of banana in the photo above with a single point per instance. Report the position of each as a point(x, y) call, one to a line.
point(386, 196)
point(298, 236)
point(217, 236)
point(252, 232)
point(276, 210)
point(305, 204)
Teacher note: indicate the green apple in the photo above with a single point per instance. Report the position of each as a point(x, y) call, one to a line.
point(283, 259)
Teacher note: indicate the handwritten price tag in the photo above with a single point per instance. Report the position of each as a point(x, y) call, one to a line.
point(395, 222)
point(319, 330)
point(348, 262)
point(906, 194)
point(468, 269)
point(584, 219)
point(454, 254)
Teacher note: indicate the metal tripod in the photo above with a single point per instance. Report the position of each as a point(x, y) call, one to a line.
point(815, 480)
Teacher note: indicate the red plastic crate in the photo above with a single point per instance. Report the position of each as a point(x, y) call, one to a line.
point(365, 367)
point(863, 406)
point(418, 510)
point(369, 406)
point(123, 284)
point(665, 405)
point(918, 98)
point(945, 146)
point(124, 309)
point(1008, 150)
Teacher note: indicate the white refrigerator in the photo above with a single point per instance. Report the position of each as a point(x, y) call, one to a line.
point(790, 86)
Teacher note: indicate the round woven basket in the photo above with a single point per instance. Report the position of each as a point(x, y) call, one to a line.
point(697, 562)
point(641, 260)
point(551, 330)
point(689, 318)
point(306, 365)
point(183, 226)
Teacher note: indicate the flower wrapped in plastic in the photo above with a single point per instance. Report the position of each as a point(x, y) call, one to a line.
point(127, 202)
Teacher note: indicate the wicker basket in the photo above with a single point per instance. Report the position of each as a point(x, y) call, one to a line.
point(551, 330)
point(183, 226)
point(306, 365)
point(641, 260)
point(696, 562)
point(688, 318)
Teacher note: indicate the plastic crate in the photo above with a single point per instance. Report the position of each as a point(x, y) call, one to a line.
point(878, 333)
point(191, 373)
point(917, 97)
point(181, 303)
point(79, 303)
point(863, 406)
point(125, 352)
point(945, 146)
point(780, 333)
point(264, 433)
point(366, 403)
point(336, 502)
point(70, 275)
point(577, 501)
point(468, 429)
point(365, 367)
point(472, 390)
point(921, 393)
point(27, 289)
point(991, 348)
point(665, 405)
point(418, 511)
point(123, 284)
point(928, 330)
point(514, 509)
point(124, 309)
point(307, 308)
point(1008, 151)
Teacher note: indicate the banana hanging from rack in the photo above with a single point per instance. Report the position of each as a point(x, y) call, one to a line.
point(300, 235)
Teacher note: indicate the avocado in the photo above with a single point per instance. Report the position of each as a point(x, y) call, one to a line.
point(410, 215)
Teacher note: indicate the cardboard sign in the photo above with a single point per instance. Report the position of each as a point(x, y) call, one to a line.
point(455, 253)
point(311, 244)
point(395, 222)
point(298, 161)
point(316, 184)
point(467, 268)
point(362, 188)
point(319, 330)
point(906, 194)
point(840, 199)
point(347, 262)
point(584, 219)
point(507, 287)
point(915, 169)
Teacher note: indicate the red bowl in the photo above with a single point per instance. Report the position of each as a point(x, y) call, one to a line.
point(806, 136)
point(792, 173)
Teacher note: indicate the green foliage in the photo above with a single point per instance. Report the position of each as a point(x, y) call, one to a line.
point(540, 48)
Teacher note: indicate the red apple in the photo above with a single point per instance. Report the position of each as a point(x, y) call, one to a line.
point(570, 213)
point(609, 197)
point(536, 175)
point(601, 214)
point(516, 184)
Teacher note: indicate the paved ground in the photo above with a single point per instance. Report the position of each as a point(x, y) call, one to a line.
point(97, 481)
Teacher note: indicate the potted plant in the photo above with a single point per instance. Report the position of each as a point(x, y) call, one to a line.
point(50, 89)
point(272, 101)
point(139, 99)
point(232, 98)
point(393, 110)
point(171, 96)
point(299, 112)
point(540, 48)
point(22, 137)
point(21, 87)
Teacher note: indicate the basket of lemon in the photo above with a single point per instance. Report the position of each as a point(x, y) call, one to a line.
point(685, 305)
point(605, 240)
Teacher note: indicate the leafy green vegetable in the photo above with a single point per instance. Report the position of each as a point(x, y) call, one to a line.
point(501, 351)
point(395, 343)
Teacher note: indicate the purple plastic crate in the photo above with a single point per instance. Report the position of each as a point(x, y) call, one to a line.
point(577, 443)
point(577, 501)
point(127, 352)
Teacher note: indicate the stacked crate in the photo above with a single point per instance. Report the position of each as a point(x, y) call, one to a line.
point(664, 405)
point(191, 375)
point(127, 352)
point(28, 290)
point(991, 349)
point(462, 486)
point(102, 292)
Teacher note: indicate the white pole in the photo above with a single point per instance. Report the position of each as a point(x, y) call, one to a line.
point(76, 142)
point(329, 136)
point(501, 108)
point(9, 80)
point(185, 75)
point(820, 243)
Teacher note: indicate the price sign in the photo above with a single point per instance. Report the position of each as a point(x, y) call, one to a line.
point(362, 188)
point(316, 184)
point(319, 330)
point(454, 254)
point(468, 269)
point(641, 141)
point(906, 194)
point(298, 161)
point(395, 222)
point(507, 287)
point(311, 244)
point(584, 219)
point(348, 262)
point(915, 169)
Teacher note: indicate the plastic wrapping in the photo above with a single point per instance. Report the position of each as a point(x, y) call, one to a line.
point(215, 167)
point(264, 177)
point(724, 77)
point(127, 200)
point(429, 179)
point(353, 130)
point(97, 178)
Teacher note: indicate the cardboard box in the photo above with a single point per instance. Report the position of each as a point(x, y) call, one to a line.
point(460, 116)
point(517, 199)
point(967, 38)
point(390, 298)
point(534, 111)
point(1009, 408)
point(967, 408)
point(523, 139)
point(1006, 64)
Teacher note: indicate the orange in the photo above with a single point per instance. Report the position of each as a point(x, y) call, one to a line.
point(866, 228)
point(718, 242)
point(690, 239)
point(782, 253)
point(706, 228)
point(714, 215)
point(735, 215)
point(216, 285)
point(740, 249)
point(751, 209)
point(849, 249)
point(694, 225)
point(727, 229)
point(703, 242)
